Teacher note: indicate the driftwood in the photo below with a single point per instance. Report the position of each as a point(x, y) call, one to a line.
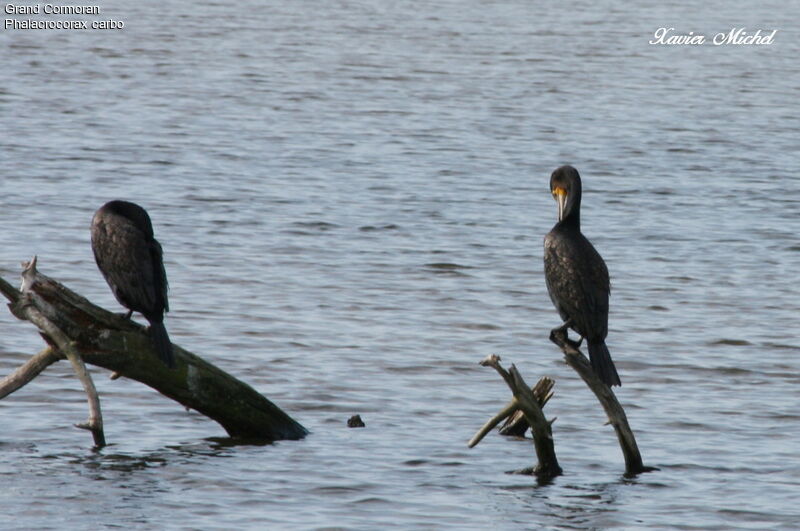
point(79, 331)
point(530, 402)
point(616, 415)
point(516, 425)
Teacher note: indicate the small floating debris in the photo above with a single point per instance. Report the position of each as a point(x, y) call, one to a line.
point(355, 422)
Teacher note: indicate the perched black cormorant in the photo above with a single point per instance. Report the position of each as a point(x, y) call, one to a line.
point(130, 259)
point(576, 275)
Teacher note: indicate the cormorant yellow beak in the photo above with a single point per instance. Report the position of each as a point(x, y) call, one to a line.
point(560, 195)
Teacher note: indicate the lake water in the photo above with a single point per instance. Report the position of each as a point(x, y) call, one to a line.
point(352, 198)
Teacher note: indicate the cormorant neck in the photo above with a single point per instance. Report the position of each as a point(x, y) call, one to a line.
point(572, 221)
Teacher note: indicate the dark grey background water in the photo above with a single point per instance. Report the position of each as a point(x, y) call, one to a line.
point(310, 165)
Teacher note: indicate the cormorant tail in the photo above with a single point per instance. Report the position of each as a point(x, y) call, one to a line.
point(162, 343)
point(602, 364)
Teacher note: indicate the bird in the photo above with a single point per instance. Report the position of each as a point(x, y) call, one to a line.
point(130, 259)
point(576, 275)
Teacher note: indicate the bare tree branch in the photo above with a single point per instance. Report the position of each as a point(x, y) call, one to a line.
point(80, 331)
point(616, 415)
point(28, 308)
point(29, 370)
point(525, 400)
point(516, 425)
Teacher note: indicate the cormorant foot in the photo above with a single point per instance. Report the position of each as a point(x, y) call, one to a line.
point(562, 333)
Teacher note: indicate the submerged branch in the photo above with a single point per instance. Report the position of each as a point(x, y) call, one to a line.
point(616, 415)
point(531, 406)
point(72, 325)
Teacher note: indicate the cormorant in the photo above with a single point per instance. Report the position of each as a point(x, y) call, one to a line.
point(130, 259)
point(576, 275)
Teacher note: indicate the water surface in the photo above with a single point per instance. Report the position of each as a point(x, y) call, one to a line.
point(352, 197)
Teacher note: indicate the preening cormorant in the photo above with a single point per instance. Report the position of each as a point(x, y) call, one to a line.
point(576, 275)
point(130, 259)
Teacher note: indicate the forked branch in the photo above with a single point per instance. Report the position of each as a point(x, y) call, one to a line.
point(77, 330)
point(530, 403)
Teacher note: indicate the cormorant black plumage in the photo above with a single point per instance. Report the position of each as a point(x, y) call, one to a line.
point(576, 275)
point(130, 259)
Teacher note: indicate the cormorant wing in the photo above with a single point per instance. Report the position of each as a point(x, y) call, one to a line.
point(577, 281)
point(161, 284)
point(125, 258)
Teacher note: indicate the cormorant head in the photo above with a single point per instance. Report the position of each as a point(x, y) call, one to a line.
point(133, 212)
point(565, 185)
